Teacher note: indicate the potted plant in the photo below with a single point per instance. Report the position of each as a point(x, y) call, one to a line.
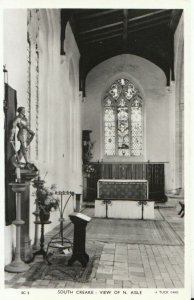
point(46, 200)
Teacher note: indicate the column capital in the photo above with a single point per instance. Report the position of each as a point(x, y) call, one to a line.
point(171, 89)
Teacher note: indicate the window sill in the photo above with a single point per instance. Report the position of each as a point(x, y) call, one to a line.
point(123, 158)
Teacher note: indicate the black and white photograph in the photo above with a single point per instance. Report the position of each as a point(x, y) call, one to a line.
point(94, 130)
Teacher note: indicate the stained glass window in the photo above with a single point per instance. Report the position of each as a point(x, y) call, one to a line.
point(123, 122)
point(109, 127)
point(136, 127)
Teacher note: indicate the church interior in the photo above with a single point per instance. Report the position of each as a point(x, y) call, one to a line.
point(94, 120)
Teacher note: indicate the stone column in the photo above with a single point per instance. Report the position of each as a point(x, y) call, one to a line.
point(171, 91)
point(18, 265)
point(179, 92)
point(26, 248)
point(182, 145)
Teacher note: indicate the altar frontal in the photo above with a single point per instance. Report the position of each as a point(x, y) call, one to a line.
point(124, 199)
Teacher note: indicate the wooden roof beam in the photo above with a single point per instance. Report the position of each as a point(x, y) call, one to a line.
point(121, 22)
point(101, 27)
point(99, 14)
point(104, 38)
point(135, 29)
point(130, 30)
point(162, 11)
point(151, 21)
point(125, 25)
point(100, 34)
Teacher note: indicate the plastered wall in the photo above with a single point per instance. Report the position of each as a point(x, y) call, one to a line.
point(59, 121)
point(15, 35)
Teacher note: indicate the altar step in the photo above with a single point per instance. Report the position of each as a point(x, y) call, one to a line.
point(163, 205)
point(157, 205)
point(88, 204)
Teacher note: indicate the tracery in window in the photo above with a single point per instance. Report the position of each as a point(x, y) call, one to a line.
point(109, 126)
point(123, 122)
point(136, 127)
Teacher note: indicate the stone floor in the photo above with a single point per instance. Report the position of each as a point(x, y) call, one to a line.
point(124, 265)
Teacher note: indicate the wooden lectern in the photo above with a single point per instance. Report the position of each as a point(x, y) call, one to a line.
point(80, 222)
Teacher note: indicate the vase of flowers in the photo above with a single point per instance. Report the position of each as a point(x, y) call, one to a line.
point(46, 200)
point(88, 169)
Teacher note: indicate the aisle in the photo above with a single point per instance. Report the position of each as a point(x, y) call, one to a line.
point(123, 254)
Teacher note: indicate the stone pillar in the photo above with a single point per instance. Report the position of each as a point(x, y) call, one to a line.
point(179, 109)
point(171, 91)
point(17, 265)
point(182, 144)
point(176, 117)
point(26, 248)
point(180, 149)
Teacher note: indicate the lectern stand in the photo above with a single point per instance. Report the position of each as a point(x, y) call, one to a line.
point(80, 222)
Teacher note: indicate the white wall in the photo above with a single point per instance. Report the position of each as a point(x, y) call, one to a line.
point(59, 137)
point(14, 57)
point(15, 35)
point(176, 114)
point(179, 108)
point(59, 122)
point(151, 81)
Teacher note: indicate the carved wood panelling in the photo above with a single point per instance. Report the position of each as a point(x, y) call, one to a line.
point(153, 172)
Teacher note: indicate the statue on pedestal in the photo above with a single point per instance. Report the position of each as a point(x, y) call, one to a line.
point(25, 136)
point(25, 172)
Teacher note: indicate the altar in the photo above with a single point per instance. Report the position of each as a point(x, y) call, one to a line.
point(124, 199)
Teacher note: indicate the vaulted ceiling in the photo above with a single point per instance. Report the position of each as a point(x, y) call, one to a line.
point(104, 33)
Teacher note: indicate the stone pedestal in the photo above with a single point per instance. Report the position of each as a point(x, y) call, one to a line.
point(26, 247)
point(18, 265)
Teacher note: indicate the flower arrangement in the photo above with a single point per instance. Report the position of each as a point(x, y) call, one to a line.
point(88, 169)
point(46, 198)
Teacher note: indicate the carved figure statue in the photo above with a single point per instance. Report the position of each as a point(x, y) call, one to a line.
point(25, 136)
